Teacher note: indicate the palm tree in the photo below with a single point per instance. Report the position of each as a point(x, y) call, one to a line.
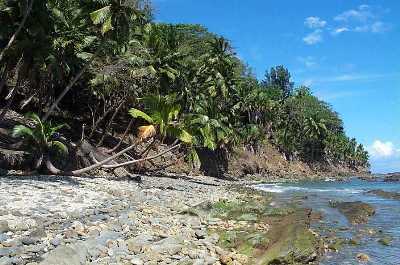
point(163, 116)
point(41, 139)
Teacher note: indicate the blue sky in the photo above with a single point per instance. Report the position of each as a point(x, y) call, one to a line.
point(347, 51)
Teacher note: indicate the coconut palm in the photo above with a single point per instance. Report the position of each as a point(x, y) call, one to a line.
point(163, 117)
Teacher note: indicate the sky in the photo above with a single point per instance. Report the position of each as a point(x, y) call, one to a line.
point(347, 51)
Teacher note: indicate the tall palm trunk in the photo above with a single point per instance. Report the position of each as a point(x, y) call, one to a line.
point(13, 92)
point(21, 25)
point(69, 86)
point(110, 123)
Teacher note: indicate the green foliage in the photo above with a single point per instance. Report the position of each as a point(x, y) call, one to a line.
point(165, 114)
point(186, 82)
point(40, 138)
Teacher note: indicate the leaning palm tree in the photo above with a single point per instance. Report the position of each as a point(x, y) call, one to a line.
point(41, 139)
point(163, 117)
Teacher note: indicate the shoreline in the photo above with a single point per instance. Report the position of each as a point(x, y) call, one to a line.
point(72, 220)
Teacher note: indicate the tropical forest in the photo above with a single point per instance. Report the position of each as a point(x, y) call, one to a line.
point(129, 139)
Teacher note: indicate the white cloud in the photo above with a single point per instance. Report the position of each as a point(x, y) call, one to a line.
point(315, 22)
point(314, 37)
point(340, 30)
point(362, 13)
point(308, 61)
point(376, 27)
point(364, 28)
point(363, 19)
point(380, 149)
point(379, 27)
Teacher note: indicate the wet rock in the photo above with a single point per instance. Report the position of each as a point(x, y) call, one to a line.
point(292, 241)
point(386, 241)
point(354, 241)
point(395, 177)
point(362, 257)
point(337, 244)
point(386, 194)
point(356, 212)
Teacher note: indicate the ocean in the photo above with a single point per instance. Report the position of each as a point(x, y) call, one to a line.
point(385, 222)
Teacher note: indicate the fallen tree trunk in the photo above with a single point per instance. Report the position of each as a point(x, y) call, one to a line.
point(103, 163)
point(141, 159)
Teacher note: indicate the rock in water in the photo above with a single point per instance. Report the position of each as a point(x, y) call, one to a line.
point(363, 257)
point(356, 212)
point(386, 194)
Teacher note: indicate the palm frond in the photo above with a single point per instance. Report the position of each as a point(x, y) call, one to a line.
point(22, 131)
point(59, 147)
point(146, 132)
point(136, 113)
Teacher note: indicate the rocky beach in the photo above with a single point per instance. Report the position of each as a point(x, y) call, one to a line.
point(56, 220)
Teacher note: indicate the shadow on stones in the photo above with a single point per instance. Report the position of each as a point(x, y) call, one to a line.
point(54, 179)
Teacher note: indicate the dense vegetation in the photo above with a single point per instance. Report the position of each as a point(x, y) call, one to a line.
point(107, 64)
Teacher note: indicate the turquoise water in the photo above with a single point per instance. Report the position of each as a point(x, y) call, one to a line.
point(386, 219)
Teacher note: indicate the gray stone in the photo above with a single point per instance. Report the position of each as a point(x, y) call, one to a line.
point(4, 227)
point(3, 212)
point(38, 233)
point(107, 235)
point(5, 261)
point(7, 251)
point(62, 255)
point(199, 262)
point(29, 240)
point(55, 241)
point(35, 248)
point(201, 234)
point(170, 246)
point(3, 237)
point(210, 260)
point(94, 249)
point(136, 261)
point(17, 213)
point(135, 244)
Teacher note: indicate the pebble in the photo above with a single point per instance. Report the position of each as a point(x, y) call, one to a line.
point(4, 226)
point(136, 261)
